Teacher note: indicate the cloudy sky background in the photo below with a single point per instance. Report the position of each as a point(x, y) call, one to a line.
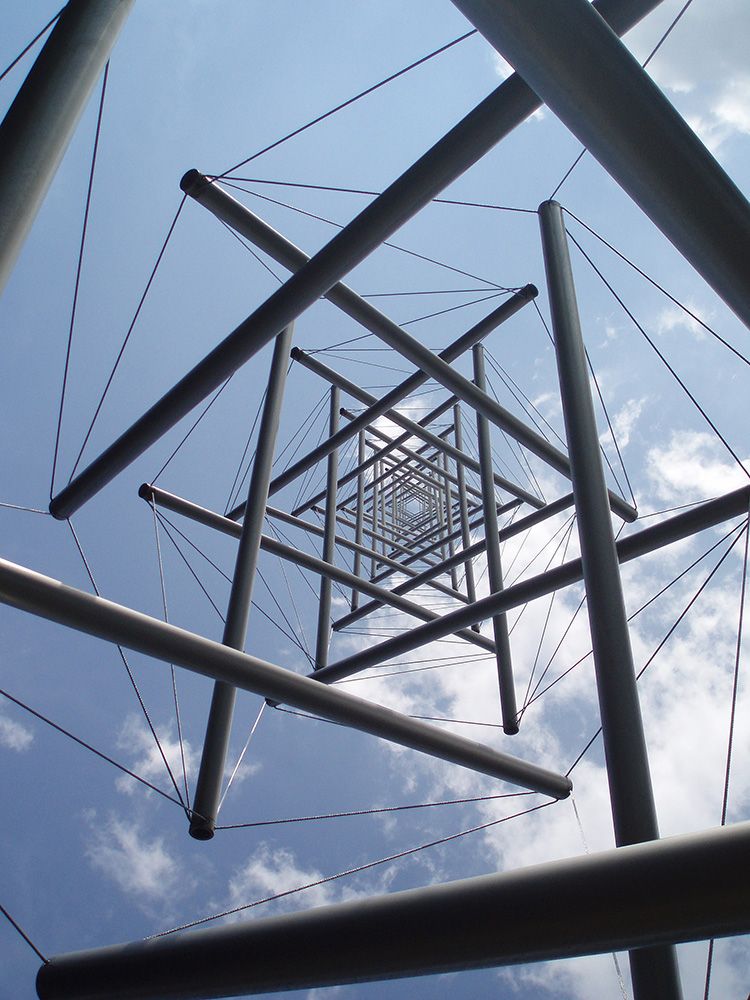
point(92, 857)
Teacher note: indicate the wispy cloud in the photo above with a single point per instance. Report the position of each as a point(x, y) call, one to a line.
point(14, 735)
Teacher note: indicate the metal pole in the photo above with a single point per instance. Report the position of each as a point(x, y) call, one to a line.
point(43, 116)
point(360, 513)
point(375, 535)
point(494, 563)
point(509, 105)
point(449, 525)
point(219, 725)
point(49, 598)
point(463, 510)
point(329, 540)
point(686, 888)
point(654, 970)
point(597, 88)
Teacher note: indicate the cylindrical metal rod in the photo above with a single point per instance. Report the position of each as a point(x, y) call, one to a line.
point(597, 88)
point(449, 527)
point(463, 510)
point(628, 897)
point(219, 725)
point(374, 516)
point(323, 635)
point(358, 536)
point(628, 773)
point(496, 116)
point(42, 118)
point(357, 392)
point(505, 679)
point(48, 598)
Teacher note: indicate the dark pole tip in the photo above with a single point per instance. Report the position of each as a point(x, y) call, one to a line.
point(202, 832)
point(145, 491)
point(295, 353)
point(530, 291)
point(192, 181)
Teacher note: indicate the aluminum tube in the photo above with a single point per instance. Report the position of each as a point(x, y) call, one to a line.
point(323, 634)
point(506, 683)
point(335, 378)
point(374, 534)
point(597, 88)
point(463, 511)
point(449, 527)
point(358, 536)
point(654, 970)
point(43, 116)
point(671, 530)
point(686, 888)
point(48, 598)
point(474, 550)
point(495, 117)
point(219, 725)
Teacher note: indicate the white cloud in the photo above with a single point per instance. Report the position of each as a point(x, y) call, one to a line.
point(693, 464)
point(623, 423)
point(673, 318)
point(275, 870)
point(14, 735)
point(140, 867)
point(146, 759)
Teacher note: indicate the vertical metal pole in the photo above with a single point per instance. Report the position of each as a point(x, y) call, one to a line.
point(41, 120)
point(494, 564)
point(329, 539)
point(374, 516)
point(654, 970)
point(218, 728)
point(358, 533)
point(449, 513)
point(463, 510)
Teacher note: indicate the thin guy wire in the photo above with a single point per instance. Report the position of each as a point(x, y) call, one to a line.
point(77, 284)
point(353, 871)
point(730, 738)
point(193, 426)
point(241, 756)
point(350, 101)
point(232, 498)
point(88, 746)
point(534, 697)
point(612, 433)
point(373, 811)
point(121, 651)
point(7, 915)
point(31, 44)
point(660, 288)
point(376, 194)
point(385, 243)
point(127, 335)
point(30, 510)
point(163, 587)
point(669, 633)
point(664, 361)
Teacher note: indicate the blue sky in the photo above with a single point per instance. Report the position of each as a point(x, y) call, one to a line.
point(89, 857)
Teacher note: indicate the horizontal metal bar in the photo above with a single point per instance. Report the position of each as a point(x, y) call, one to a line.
point(48, 598)
point(685, 888)
point(648, 540)
point(495, 117)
